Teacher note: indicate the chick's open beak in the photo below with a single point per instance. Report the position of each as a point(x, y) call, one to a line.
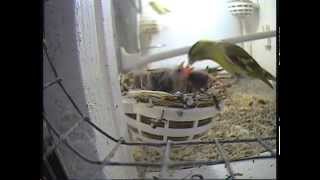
point(186, 71)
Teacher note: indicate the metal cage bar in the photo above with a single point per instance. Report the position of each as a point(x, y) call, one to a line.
point(54, 70)
point(109, 156)
point(146, 164)
point(166, 160)
point(50, 170)
point(266, 146)
point(62, 137)
point(196, 142)
point(225, 158)
point(51, 83)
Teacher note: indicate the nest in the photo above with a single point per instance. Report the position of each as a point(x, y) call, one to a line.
point(244, 115)
point(179, 99)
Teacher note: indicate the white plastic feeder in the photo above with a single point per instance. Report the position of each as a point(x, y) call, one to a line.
point(241, 8)
point(177, 124)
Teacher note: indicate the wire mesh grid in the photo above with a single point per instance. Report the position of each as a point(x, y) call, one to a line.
point(166, 162)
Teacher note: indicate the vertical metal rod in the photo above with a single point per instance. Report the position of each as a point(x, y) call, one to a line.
point(155, 123)
point(224, 157)
point(51, 130)
point(266, 146)
point(50, 125)
point(166, 161)
point(50, 170)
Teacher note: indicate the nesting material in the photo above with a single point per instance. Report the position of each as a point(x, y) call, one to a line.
point(157, 79)
point(178, 100)
point(138, 86)
point(245, 115)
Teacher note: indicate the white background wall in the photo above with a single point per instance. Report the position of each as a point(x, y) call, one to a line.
point(192, 20)
point(267, 15)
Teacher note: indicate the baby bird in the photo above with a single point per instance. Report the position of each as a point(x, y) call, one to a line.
point(196, 80)
point(169, 80)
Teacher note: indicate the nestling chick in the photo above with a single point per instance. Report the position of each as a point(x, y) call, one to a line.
point(162, 79)
point(196, 80)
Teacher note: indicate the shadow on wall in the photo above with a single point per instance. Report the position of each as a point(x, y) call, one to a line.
point(126, 24)
point(252, 22)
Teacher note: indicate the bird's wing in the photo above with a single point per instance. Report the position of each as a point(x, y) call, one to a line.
point(241, 58)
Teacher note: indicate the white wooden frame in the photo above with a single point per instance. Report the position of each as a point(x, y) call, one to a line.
point(97, 48)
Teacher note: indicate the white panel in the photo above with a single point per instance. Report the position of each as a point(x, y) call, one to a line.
point(170, 131)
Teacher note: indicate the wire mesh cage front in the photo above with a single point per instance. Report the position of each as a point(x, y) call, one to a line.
point(164, 165)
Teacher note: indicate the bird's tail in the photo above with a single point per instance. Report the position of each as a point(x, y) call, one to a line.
point(266, 76)
point(264, 79)
point(269, 76)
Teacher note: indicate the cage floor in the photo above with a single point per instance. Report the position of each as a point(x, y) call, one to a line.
point(250, 169)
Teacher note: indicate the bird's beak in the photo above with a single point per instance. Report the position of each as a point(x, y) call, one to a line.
point(186, 71)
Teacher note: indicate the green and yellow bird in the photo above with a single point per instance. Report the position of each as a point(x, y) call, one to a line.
point(158, 7)
point(231, 58)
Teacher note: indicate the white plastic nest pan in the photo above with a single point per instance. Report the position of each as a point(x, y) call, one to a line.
point(177, 124)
